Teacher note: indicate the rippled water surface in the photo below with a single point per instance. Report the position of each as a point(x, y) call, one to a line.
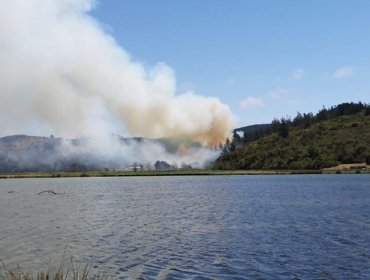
point(206, 227)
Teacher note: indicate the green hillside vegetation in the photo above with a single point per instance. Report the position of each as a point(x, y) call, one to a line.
point(338, 135)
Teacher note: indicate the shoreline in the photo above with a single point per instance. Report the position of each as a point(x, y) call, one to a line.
point(194, 172)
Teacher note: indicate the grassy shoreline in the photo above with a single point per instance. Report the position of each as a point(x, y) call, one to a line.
point(194, 172)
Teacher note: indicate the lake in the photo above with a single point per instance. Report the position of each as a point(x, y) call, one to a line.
point(192, 227)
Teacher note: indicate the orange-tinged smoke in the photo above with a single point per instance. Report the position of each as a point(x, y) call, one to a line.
point(63, 74)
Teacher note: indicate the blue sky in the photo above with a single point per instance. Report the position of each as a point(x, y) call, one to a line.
point(265, 58)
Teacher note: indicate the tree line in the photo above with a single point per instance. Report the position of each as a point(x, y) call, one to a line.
point(283, 125)
point(341, 140)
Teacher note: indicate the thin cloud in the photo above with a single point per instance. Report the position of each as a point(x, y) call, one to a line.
point(251, 102)
point(299, 74)
point(278, 93)
point(343, 72)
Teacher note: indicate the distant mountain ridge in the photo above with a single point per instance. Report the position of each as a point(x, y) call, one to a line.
point(21, 153)
point(253, 128)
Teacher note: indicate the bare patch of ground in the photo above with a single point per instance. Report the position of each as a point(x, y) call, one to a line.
point(348, 167)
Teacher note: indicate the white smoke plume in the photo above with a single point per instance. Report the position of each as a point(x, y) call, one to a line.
point(61, 73)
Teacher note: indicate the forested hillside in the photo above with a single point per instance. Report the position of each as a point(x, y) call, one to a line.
point(337, 135)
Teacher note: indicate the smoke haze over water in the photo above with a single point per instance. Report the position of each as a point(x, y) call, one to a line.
point(62, 74)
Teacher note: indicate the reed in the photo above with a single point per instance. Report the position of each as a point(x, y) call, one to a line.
point(65, 271)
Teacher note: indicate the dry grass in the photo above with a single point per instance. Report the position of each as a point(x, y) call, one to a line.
point(347, 167)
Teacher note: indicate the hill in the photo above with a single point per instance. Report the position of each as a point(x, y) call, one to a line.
point(23, 153)
point(342, 139)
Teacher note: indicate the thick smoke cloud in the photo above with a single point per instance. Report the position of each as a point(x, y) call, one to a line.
point(61, 73)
